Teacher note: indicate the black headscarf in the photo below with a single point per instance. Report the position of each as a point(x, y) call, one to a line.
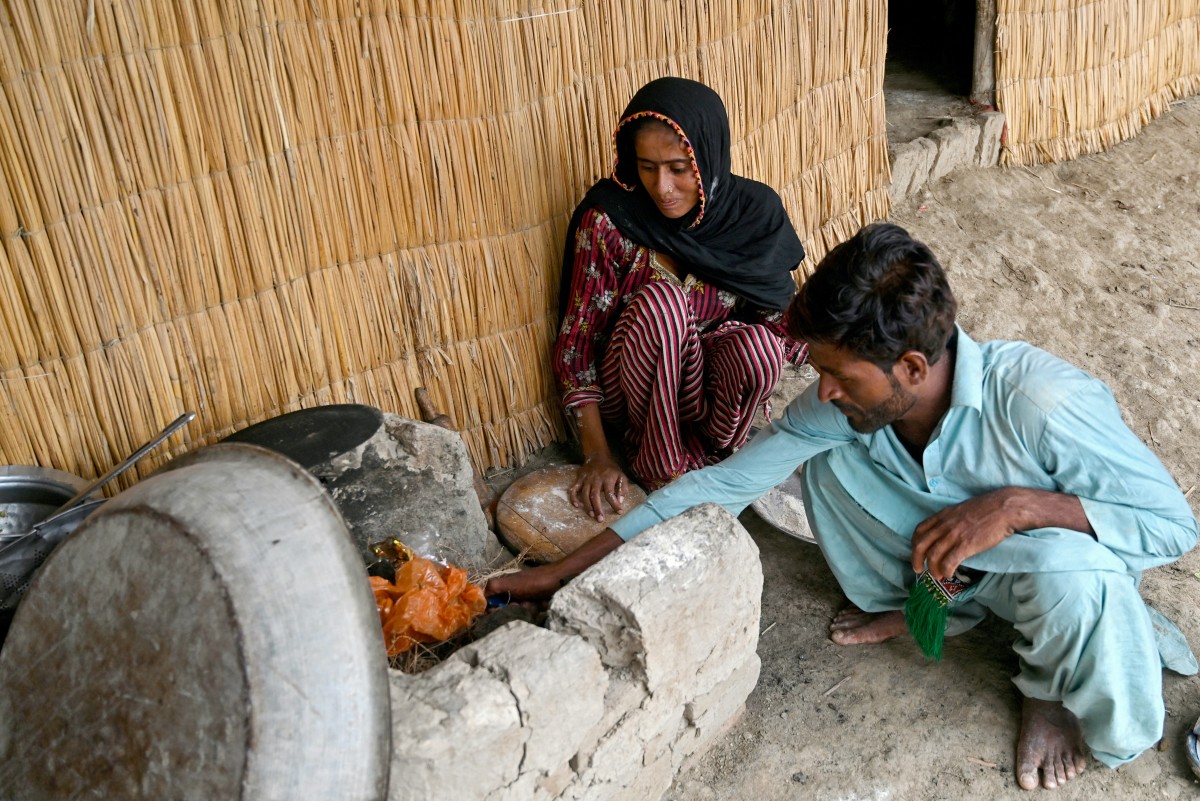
point(738, 238)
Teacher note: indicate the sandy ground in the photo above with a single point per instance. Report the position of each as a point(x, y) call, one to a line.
point(1098, 261)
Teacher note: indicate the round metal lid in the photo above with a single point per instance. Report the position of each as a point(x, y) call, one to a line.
point(310, 437)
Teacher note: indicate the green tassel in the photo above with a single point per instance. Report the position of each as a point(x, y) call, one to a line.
point(925, 613)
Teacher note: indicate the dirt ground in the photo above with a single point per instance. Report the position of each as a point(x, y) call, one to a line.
point(1098, 261)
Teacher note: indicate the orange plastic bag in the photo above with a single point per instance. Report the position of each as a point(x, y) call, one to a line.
point(428, 603)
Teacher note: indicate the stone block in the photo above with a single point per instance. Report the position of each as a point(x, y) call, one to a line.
point(647, 648)
point(651, 783)
point(557, 682)
point(553, 784)
point(678, 605)
point(635, 730)
point(991, 130)
point(625, 693)
point(715, 703)
point(910, 167)
point(413, 481)
point(500, 714)
point(527, 787)
point(710, 716)
point(957, 144)
point(456, 733)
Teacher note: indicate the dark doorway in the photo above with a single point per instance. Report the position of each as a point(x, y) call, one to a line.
point(927, 75)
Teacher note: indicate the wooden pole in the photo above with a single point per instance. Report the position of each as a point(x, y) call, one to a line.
point(983, 76)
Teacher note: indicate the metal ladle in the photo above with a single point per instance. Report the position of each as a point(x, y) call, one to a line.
point(178, 423)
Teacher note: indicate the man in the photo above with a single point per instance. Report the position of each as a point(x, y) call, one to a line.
point(995, 462)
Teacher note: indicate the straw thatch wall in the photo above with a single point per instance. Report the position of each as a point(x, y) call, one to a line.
point(1078, 76)
point(246, 208)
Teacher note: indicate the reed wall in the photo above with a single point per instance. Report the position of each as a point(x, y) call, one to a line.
point(249, 207)
point(1077, 76)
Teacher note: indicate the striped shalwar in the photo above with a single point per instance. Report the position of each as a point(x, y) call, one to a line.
point(673, 373)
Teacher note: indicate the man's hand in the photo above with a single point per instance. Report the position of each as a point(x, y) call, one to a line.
point(539, 583)
point(531, 584)
point(959, 532)
point(599, 484)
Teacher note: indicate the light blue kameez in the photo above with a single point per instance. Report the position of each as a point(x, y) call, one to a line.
point(1018, 417)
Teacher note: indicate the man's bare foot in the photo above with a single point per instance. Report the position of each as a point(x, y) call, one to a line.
point(1051, 742)
point(853, 626)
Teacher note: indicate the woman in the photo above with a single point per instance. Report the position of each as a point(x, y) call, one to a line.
point(675, 276)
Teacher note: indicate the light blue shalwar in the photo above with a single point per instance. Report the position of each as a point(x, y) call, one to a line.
point(1018, 417)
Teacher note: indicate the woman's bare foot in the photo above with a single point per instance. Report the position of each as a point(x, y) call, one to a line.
point(1051, 742)
point(853, 626)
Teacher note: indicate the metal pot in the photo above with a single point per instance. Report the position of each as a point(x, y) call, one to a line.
point(23, 550)
point(28, 494)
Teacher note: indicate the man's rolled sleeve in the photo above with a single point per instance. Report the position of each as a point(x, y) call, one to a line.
point(1134, 506)
point(806, 428)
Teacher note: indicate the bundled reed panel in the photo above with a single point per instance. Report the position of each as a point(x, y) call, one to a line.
point(1077, 76)
point(247, 208)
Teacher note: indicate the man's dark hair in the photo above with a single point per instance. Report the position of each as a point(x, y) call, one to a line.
point(879, 295)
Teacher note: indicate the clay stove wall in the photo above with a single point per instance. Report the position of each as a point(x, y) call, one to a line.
point(648, 658)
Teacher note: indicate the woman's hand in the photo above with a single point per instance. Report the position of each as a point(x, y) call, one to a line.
point(598, 481)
